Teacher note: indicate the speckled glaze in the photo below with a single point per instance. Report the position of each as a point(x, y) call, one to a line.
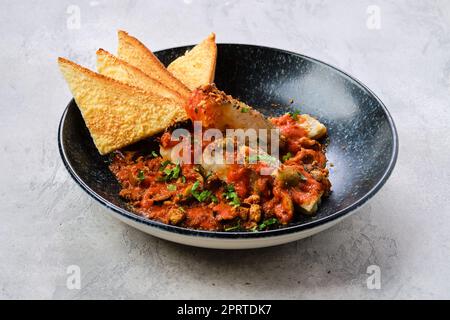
point(362, 150)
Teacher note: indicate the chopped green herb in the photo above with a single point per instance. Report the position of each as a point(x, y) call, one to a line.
point(294, 114)
point(195, 186)
point(230, 194)
point(181, 209)
point(214, 198)
point(254, 229)
point(183, 179)
point(172, 173)
point(202, 196)
point(154, 154)
point(164, 165)
point(287, 156)
point(267, 223)
point(177, 171)
point(244, 110)
point(171, 187)
point(141, 175)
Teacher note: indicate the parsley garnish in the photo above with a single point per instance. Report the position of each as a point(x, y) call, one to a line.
point(195, 186)
point(154, 154)
point(230, 194)
point(164, 165)
point(287, 156)
point(173, 173)
point(267, 223)
point(202, 196)
point(244, 110)
point(141, 175)
point(294, 114)
point(214, 198)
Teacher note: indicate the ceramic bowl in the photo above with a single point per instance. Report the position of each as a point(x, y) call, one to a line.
point(363, 142)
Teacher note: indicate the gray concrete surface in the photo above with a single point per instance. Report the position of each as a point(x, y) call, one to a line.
point(48, 223)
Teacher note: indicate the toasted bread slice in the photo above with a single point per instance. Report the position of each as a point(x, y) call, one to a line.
point(197, 66)
point(135, 53)
point(111, 66)
point(115, 113)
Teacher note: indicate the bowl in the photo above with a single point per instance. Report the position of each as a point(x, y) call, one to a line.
point(362, 150)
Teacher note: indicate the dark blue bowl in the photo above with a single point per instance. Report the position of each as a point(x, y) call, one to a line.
point(363, 140)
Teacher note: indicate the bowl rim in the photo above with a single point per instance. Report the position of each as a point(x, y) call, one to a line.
point(243, 234)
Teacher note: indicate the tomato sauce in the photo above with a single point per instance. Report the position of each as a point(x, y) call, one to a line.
point(202, 107)
point(186, 196)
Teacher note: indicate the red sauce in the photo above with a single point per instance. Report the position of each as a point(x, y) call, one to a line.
point(239, 176)
point(201, 107)
point(292, 131)
point(290, 127)
point(224, 212)
point(183, 195)
point(167, 142)
point(201, 218)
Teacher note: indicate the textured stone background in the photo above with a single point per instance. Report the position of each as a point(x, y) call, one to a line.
point(48, 222)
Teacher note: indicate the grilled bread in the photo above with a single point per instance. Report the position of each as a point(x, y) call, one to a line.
point(111, 66)
point(115, 113)
point(197, 66)
point(135, 53)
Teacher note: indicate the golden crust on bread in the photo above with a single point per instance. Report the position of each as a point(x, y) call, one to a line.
point(197, 66)
point(113, 67)
point(115, 113)
point(135, 53)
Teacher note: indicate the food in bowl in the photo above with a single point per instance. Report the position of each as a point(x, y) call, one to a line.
point(191, 181)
